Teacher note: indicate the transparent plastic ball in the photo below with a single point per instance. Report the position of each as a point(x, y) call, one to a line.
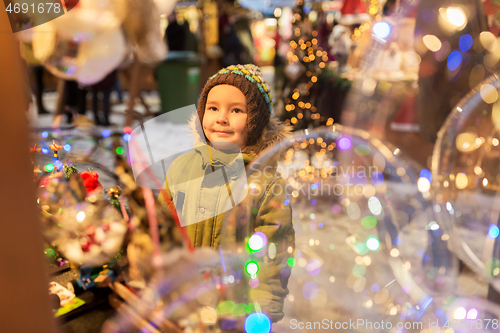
point(383, 67)
point(190, 292)
point(77, 46)
point(86, 230)
point(334, 228)
point(459, 315)
point(466, 177)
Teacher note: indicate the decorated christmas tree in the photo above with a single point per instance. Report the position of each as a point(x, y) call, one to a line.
point(305, 62)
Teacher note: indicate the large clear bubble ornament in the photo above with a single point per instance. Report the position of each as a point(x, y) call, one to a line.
point(461, 315)
point(384, 74)
point(85, 44)
point(86, 230)
point(466, 179)
point(190, 292)
point(335, 227)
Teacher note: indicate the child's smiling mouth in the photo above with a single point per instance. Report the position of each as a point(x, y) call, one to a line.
point(223, 133)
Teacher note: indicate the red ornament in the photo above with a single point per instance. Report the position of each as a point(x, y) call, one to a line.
point(91, 181)
point(44, 181)
point(222, 289)
point(85, 245)
point(90, 232)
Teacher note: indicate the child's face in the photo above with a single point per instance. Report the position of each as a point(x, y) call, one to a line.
point(225, 115)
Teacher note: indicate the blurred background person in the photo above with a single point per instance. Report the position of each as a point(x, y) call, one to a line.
point(35, 71)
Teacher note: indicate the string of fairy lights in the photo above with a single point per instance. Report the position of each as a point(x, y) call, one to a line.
point(307, 52)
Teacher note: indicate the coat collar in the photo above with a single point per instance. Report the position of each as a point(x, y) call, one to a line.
point(218, 158)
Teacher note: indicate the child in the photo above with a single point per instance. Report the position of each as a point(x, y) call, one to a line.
point(235, 109)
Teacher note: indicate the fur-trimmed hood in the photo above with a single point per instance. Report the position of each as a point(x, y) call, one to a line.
point(274, 132)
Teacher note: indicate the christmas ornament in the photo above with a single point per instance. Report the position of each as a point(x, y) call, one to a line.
point(465, 180)
point(346, 215)
point(83, 226)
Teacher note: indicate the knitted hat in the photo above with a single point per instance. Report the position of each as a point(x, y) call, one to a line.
point(248, 79)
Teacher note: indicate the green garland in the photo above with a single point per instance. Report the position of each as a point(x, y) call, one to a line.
point(69, 170)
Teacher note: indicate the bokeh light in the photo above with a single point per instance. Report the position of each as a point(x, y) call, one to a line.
point(472, 314)
point(257, 241)
point(456, 16)
point(432, 42)
point(127, 137)
point(252, 268)
point(493, 231)
point(344, 143)
point(454, 60)
point(373, 243)
point(460, 313)
point(257, 323)
point(106, 133)
point(425, 173)
point(382, 29)
point(465, 42)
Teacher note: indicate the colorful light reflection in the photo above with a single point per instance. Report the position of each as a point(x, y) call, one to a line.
point(127, 137)
point(252, 268)
point(454, 60)
point(106, 133)
point(344, 143)
point(424, 173)
point(313, 267)
point(382, 29)
point(310, 290)
point(373, 243)
point(465, 42)
point(460, 313)
point(472, 314)
point(257, 241)
point(493, 231)
point(377, 178)
point(257, 322)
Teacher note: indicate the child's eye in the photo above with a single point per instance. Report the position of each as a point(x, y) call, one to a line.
point(237, 111)
point(212, 108)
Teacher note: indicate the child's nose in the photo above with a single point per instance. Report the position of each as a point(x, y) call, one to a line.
point(223, 118)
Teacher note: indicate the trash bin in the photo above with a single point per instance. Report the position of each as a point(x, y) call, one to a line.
point(178, 81)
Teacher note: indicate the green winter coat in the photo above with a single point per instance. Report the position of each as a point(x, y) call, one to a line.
point(265, 206)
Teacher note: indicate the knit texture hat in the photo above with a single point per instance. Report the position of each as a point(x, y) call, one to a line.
point(248, 79)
